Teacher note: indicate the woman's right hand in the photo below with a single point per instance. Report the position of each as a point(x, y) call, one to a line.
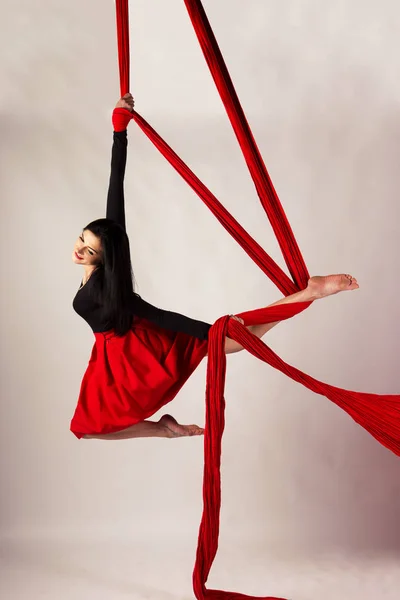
point(235, 318)
point(127, 102)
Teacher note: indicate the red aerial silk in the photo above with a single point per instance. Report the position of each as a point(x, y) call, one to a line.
point(378, 414)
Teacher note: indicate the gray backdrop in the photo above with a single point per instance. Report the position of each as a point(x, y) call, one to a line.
point(310, 501)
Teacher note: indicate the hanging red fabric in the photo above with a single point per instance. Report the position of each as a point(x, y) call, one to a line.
point(378, 414)
point(265, 189)
point(124, 55)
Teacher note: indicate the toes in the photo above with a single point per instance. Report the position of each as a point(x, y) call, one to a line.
point(196, 430)
point(185, 430)
point(351, 281)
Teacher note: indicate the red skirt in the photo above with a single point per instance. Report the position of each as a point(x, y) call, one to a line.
point(130, 378)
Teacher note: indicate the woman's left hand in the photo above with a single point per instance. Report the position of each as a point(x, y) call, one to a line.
point(127, 102)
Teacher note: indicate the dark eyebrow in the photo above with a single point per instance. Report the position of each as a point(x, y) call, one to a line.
point(95, 251)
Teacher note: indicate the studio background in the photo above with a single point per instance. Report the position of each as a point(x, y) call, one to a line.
point(310, 501)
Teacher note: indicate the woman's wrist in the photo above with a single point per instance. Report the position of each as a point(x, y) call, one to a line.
point(122, 113)
point(121, 118)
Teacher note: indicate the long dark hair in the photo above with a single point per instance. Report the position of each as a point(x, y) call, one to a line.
point(115, 269)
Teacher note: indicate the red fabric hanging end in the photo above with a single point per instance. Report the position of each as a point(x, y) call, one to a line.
point(370, 410)
point(215, 422)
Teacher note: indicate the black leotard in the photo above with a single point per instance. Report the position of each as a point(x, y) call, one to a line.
point(84, 302)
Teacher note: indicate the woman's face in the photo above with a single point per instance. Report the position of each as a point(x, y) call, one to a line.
point(87, 249)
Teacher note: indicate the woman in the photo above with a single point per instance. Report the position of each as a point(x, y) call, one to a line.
point(142, 355)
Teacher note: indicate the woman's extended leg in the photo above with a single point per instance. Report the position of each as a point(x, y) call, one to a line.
point(166, 427)
point(318, 287)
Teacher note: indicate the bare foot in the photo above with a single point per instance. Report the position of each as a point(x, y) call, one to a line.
point(321, 287)
point(174, 429)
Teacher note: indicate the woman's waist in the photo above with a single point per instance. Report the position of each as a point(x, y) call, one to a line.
point(138, 324)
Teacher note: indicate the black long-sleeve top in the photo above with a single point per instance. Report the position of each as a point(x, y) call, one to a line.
point(86, 303)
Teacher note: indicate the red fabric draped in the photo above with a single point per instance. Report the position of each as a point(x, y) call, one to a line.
point(378, 414)
point(122, 9)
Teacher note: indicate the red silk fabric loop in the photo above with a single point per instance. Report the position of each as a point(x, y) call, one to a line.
point(378, 414)
point(121, 118)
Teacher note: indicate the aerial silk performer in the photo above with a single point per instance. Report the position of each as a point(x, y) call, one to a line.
point(142, 354)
